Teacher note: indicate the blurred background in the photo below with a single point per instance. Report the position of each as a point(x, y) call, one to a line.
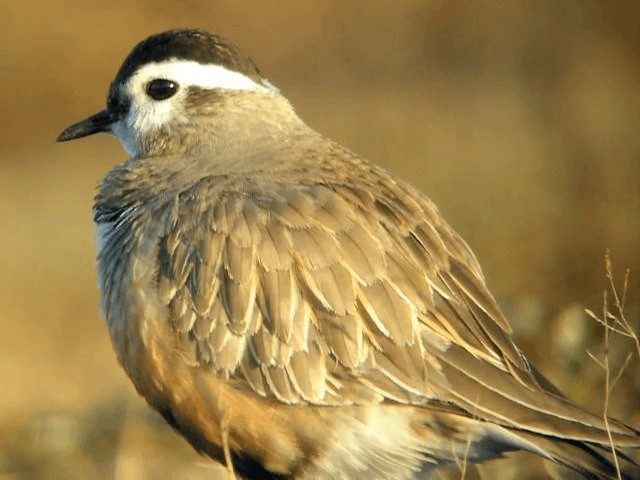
point(520, 119)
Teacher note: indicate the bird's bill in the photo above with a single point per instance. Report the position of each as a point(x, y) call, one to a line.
point(100, 122)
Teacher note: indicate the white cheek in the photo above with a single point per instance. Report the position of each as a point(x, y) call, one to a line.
point(143, 118)
point(147, 116)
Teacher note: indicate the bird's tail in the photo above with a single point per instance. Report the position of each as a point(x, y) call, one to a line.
point(539, 419)
point(475, 440)
point(591, 461)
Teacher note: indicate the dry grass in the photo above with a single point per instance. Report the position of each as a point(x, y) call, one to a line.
point(613, 322)
point(519, 119)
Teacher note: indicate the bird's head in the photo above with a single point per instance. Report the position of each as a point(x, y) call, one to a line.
point(176, 90)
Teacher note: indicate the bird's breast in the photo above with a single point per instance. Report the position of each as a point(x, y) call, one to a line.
point(125, 268)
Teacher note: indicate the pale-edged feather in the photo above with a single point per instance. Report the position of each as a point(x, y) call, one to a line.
point(329, 294)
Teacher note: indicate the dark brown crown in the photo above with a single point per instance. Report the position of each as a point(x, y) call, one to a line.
point(182, 44)
point(188, 44)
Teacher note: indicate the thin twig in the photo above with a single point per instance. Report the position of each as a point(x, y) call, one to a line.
point(607, 380)
point(621, 370)
point(467, 448)
point(619, 302)
point(613, 323)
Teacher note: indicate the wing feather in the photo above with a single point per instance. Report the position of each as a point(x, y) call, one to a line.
point(341, 293)
point(361, 253)
point(271, 248)
point(329, 288)
point(314, 246)
point(344, 336)
point(280, 302)
point(389, 311)
point(292, 287)
point(279, 384)
point(308, 373)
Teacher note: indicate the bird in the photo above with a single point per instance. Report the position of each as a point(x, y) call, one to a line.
point(294, 310)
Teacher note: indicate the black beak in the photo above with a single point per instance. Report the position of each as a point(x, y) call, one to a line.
point(100, 122)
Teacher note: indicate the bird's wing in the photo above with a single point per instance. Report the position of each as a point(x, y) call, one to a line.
point(330, 293)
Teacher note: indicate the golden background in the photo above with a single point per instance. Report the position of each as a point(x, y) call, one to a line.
point(520, 119)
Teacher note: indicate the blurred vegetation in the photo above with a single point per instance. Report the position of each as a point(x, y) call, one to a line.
point(520, 119)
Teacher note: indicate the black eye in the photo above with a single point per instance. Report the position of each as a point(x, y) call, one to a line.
point(161, 89)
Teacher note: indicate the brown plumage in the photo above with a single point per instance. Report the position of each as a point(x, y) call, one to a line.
point(297, 312)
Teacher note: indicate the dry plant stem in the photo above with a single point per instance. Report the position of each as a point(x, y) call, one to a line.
point(619, 303)
point(626, 361)
point(617, 323)
point(607, 389)
point(231, 474)
point(463, 467)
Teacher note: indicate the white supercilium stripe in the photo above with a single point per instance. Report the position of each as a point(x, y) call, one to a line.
point(190, 73)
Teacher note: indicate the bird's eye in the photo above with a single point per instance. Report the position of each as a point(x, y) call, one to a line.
point(161, 89)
